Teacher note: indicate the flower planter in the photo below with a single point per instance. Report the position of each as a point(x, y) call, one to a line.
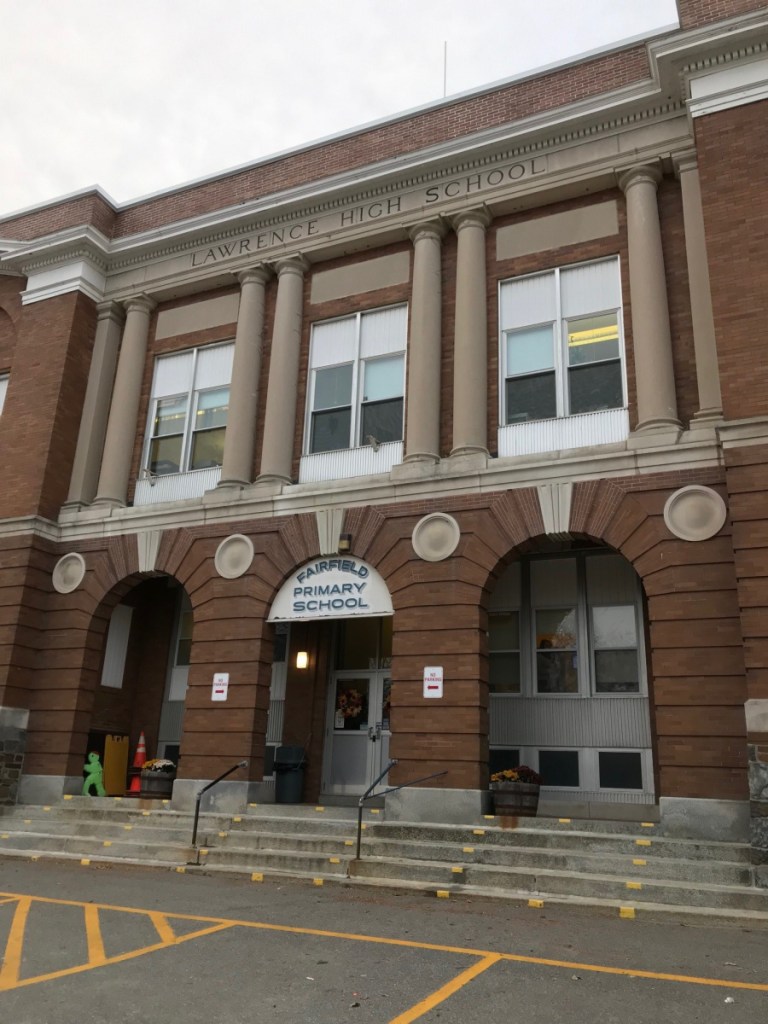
point(515, 799)
point(157, 784)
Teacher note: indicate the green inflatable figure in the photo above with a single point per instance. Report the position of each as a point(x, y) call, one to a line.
point(94, 776)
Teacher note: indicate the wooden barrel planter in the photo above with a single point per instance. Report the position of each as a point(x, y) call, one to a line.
point(515, 799)
point(157, 785)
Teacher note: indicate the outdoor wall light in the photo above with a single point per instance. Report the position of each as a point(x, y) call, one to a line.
point(345, 542)
point(302, 659)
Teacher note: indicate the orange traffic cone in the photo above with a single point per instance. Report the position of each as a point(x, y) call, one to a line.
point(140, 756)
point(138, 763)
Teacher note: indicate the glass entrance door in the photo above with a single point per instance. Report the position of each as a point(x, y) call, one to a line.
point(357, 744)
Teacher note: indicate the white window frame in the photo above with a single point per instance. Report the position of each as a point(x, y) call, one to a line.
point(358, 377)
point(560, 341)
point(192, 398)
point(4, 378)
point(589, 767)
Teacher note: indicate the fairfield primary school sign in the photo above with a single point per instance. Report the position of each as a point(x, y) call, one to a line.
point(332, 588)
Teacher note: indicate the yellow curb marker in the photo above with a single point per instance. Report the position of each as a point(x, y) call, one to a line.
point(349, 842)
point(536, 903)
point(257, 876)
point(222, 835)
point(46, 808)
point(145, 814)
point(127, 827)
point(181, 870)
point(634, 885)
point(27, 821)
point(237, 819)
point(478, 831)
point(627, 912)
point(375, 810)
point(164, 801)
point(334, 860)
point(203, 853)
point(107, 842)
point(363, 825)
point(489, 817)
point(642, 842)
point(640, 862)
point(564, 821)
point(35, 856)
point(647, 824)
point(442, 894)
point(468, 849)
point(67, 796)
point(319, 808)
point(457, 871)
point(253, 805)
point(85, 862)
point(317, 881)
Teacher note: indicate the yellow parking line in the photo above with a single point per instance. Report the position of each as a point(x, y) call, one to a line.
point(96, 952)
point(162, 927)
point(9, 972)
point(446, 991)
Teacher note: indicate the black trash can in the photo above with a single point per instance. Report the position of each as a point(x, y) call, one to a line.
point(289, 774)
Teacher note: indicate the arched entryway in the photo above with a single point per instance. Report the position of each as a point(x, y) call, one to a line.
point(335, 682)
point(142, 680)
point(568, 679)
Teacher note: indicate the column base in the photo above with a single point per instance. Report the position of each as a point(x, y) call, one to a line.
point(416, 470)
point(655, 435)
point(467, 459)
point(272, 480)
point(107, 503)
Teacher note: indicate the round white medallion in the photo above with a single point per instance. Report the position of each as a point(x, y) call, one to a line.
point(68, 573)
point(233, 556)
point(435, 537)
point(694, 513)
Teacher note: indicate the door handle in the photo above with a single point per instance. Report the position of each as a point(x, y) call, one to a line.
point(372, 733)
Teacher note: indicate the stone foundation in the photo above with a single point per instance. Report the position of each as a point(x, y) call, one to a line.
point(13, 742)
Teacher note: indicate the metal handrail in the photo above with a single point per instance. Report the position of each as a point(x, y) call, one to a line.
point(240, 764)
point(383, 792)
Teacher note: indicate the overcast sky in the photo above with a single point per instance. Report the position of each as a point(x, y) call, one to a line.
point(140, 95)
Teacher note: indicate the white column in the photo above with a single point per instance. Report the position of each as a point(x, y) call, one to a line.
point(470, 354)
point(422, 442)
point(123, 414)
point(280, 415)
point(93, 422)
point(651, 335)
point(237, 465)
point(704, 342)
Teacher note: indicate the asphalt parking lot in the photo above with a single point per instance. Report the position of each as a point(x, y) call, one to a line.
point(85, 945)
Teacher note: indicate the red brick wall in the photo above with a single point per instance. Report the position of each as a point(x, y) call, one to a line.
point(694, 13)
point(410, 133)
point(41, 418)
point(90, 208)
point(734, 183)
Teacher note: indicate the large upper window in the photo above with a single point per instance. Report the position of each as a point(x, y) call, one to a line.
point(357, 374)
point(3, 389)
point(561, 343)
point(188, 411)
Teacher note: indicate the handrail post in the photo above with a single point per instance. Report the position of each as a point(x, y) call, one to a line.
point(390, 789)
point(240, 764)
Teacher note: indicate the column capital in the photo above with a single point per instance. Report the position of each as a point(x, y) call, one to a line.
point(436, 229)
point(139, 303)
point(111, 310)
point(258, 274)
point(644, 174)
point(687, 161)
point(296, 264)
point(477, 218)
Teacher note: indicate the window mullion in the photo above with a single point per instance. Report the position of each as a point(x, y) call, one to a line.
point(561, 362)
point(356, 389)
point(186, 445)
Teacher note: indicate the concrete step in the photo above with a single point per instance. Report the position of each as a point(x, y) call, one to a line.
point(85, 846)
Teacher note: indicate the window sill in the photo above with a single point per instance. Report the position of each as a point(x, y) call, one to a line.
point(584, 431)
point(350, 462)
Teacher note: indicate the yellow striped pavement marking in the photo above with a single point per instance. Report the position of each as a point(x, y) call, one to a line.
point(446, 991)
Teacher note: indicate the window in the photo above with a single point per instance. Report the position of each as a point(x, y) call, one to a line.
point(189, 408)
point(566, 626)
point(357, 374)
point(561, 343)
point(3, 389)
